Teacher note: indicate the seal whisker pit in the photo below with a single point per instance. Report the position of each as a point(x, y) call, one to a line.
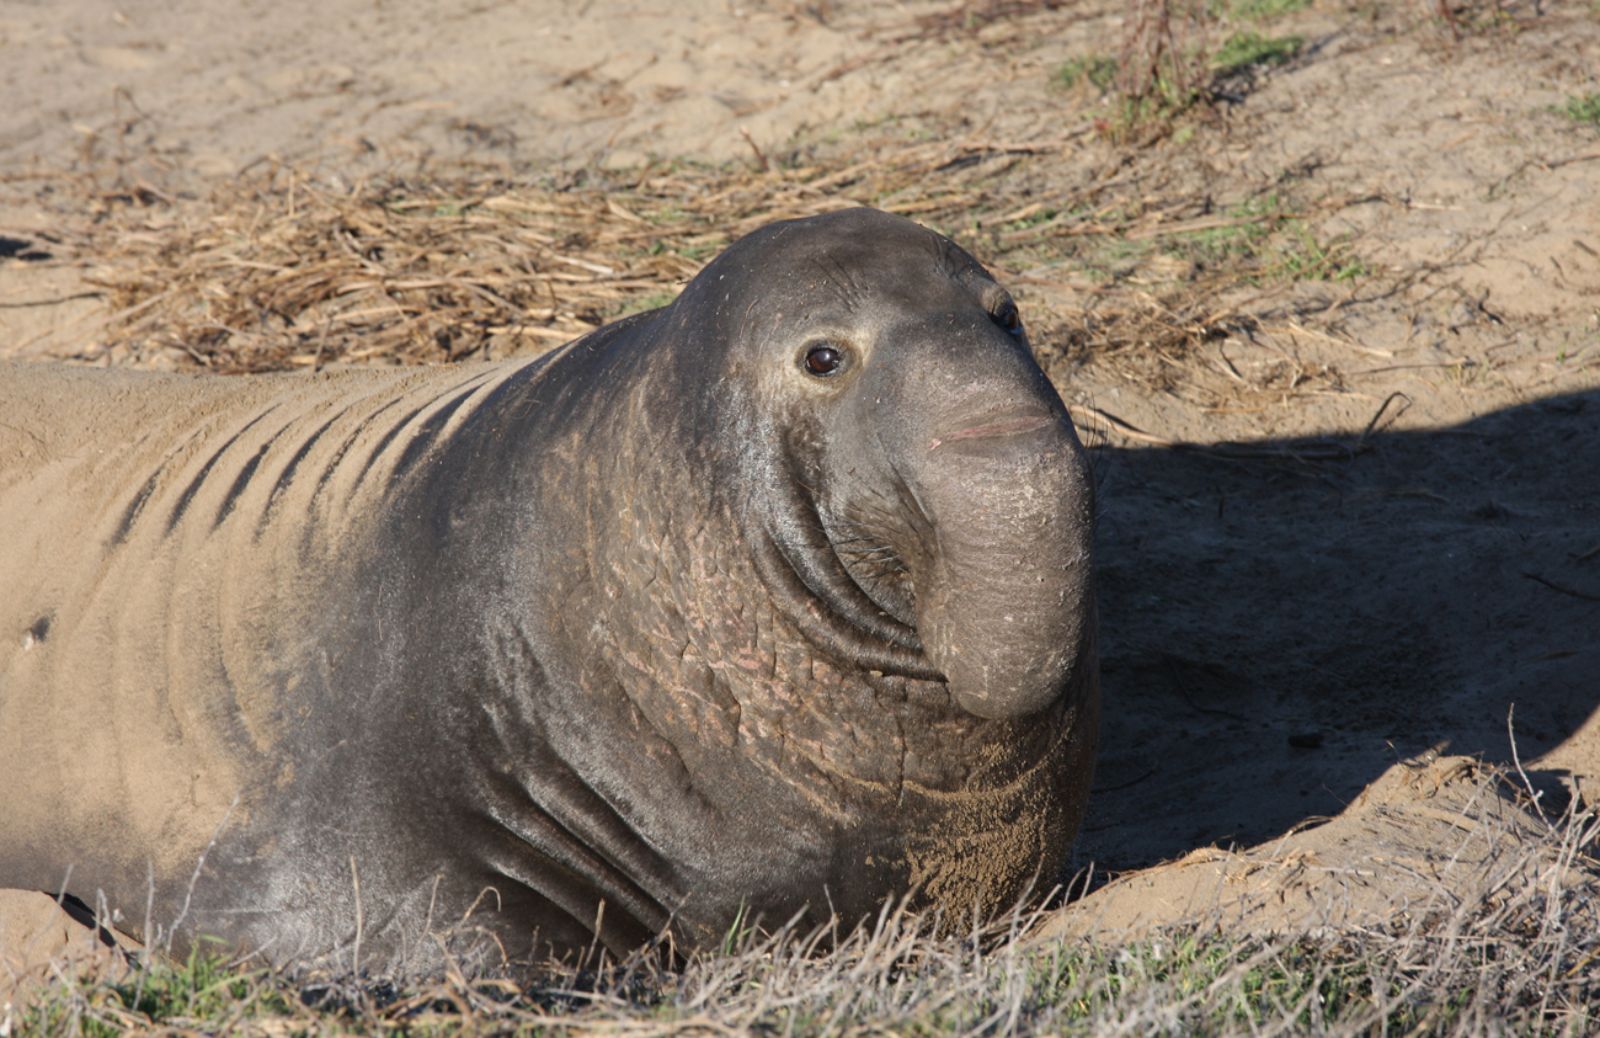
point(775, 600)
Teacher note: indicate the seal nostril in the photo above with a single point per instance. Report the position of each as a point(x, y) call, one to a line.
point(1008, 318)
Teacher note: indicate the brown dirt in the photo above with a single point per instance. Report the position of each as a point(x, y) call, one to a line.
point(1337, 339)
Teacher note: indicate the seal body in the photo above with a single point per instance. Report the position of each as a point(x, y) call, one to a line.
point(777, 600)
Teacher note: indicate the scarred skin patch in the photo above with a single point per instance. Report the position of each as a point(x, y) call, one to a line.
point(1009, 427)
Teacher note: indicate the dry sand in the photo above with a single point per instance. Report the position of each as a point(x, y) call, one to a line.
point(1406, 546)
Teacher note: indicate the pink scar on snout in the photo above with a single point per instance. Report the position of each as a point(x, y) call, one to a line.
point(1009, 427)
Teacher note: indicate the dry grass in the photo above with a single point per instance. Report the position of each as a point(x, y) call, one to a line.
point(1111, 257)
point(1517, 954)
point(279, 271)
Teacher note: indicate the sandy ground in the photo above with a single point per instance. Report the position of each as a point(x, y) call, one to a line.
point(214, 87)
point(1292, 631)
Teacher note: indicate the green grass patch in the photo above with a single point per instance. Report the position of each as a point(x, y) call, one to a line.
point(1303, 257)
point(648, 301)
point(1107, 259)
point(1263, 241)
point(1097, 70)
point(1248, 226)
point(1154, 106)
point(1036, 218)
point(697, 250)
point(201, 992)
point(1151, 115)
point(1244, 50)
point(1584, 108)
point(1258, 10)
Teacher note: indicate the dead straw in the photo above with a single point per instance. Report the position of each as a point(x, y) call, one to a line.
point(278, 271)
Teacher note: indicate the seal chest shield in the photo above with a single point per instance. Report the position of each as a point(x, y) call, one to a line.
point(777, 598)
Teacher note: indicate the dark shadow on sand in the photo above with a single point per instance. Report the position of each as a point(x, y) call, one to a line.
point(1278, 631)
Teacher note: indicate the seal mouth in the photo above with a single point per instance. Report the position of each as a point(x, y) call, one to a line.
point(798, 560)
point(840, 616)
point(995, 427)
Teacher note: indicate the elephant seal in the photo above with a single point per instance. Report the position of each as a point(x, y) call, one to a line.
point(775, 600)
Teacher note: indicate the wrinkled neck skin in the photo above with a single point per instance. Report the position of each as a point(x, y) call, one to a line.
point(766, 725)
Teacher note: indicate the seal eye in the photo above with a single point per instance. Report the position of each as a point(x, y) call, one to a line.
point(824, 360)
point(1007, 317)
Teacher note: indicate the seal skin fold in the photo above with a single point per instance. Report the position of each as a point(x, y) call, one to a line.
point(547, 655)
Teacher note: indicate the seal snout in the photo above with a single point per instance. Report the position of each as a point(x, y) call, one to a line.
point(1005, 601)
